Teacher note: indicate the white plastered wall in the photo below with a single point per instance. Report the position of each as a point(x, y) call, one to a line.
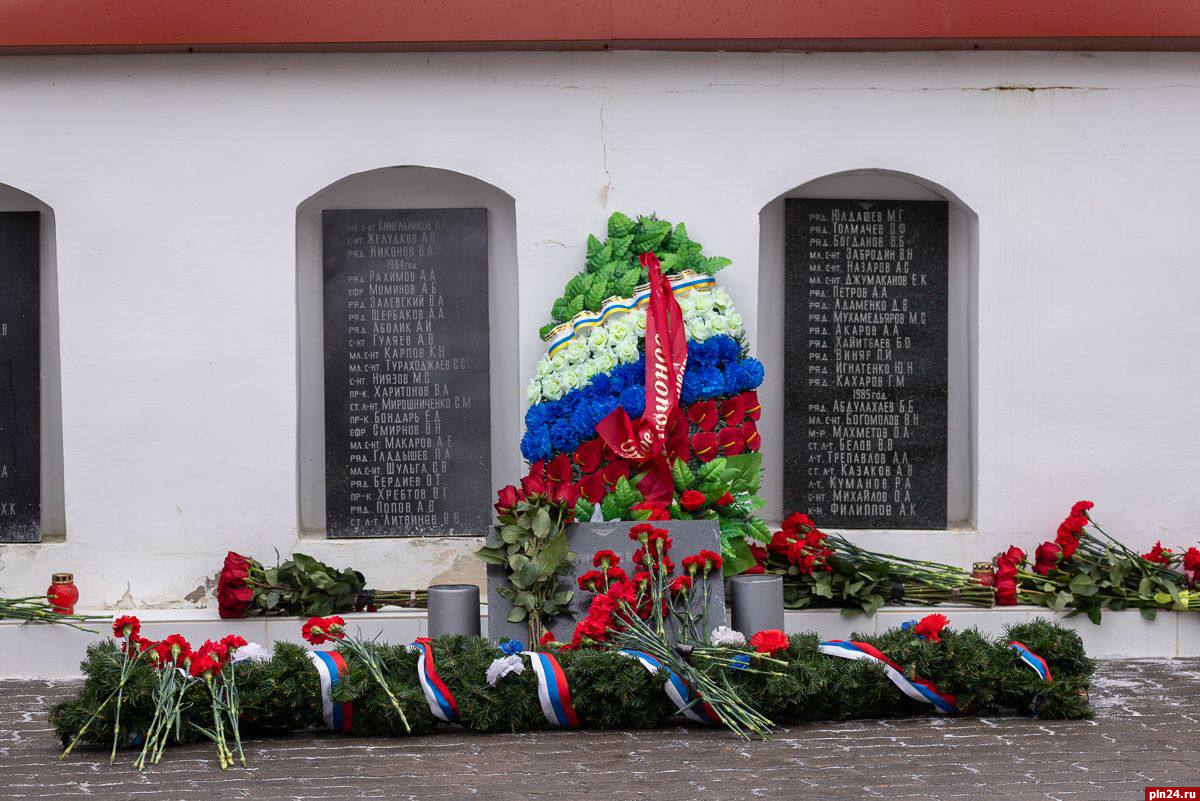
point(175, 182)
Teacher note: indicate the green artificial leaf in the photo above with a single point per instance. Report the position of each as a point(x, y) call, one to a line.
point(673, 263)
point(627, 495)
point(561, 310)
point(575, 306)
point(620, 225)
point(736, 557)
point(600, 258)
point(712, 471)
point(627, 283)
point(621, 245)
point(609, 508)
point(593, 246)
point(678, 238)
point(584, 509)
point(682, 475)
point(653, 232)
point(517, 614)
point(597, 294)
point(713, 265)
point(578, 285)
point(746, 472)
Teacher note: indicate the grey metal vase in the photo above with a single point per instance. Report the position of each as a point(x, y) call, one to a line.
point(453, 609)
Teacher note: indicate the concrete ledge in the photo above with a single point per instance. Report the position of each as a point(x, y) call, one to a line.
point(53, 652)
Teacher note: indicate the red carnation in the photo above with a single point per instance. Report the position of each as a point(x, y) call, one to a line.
point(751, 405)
point(592, 487)
point(930, 627)
point(547, 639)
point(680, 584)
point(204, 664)
point(615, 471)
point(233, 642)
point(605, 559)
point(591, 581)
point(640, 532)
point(1068, 542)
point(692, 500)
point(1081, 508)
point(704, 446)
point(704, 415)
point(234, 593)
point(216, 650)
point(1191, 560)
point(750, 433)
point(711, 559)
point(127, 626)
point(769, 641)
point(588, 455)
point(322, 629)
point(506, 499)
point(732, 441)
point(658, 543)
point(797, 521)
point(173, 649)
point(1158, 555)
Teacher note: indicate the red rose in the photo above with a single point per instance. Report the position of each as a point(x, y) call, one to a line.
point(656, 511)
point(733, 411)
point(1015, 554)
point(1046, 558)
point(704, 446)
point(592, 487)
point(751, 405)
point(769, 641)
point(588, 455)
point(732, 441)
point(1006, 589)
point(692, 500)
point(127, 626)
point(234, 594)
point(727, 499)
point(564, 493)
point(533, 484)
point(615, 471)
point(750, 433)
point(930, 627)
point(559, 468)
point(1081, 508)
point(506, 499)
point(704, 415)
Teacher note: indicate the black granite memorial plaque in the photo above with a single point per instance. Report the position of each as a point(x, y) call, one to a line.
point(20, 378)
point(866, 362)
point(407, 413)
point(584, 539)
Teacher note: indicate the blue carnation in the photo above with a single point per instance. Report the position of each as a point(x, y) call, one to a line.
point(535, 444)
point(701, 382)
point(536, 416)
point(600, 384)
point(633, 400)
point(700, 352)
point(511, 647)
point(727, 348)
point(562, 435)
point(735, 376)
point(753, 371)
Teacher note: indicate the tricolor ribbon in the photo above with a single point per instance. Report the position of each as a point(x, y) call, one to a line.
point(553, 692)
point(339, 716)
point(1035, 663)
point(644, 442)
point(689, 704)
point(916, 689)
point(561, 336)
point(437, 694)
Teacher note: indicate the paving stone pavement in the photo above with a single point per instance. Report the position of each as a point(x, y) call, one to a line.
point(1145, 733)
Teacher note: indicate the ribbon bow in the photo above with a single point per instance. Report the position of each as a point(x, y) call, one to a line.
point(644, 442)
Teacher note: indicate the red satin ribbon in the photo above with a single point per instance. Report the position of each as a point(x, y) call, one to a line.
point(644, 442)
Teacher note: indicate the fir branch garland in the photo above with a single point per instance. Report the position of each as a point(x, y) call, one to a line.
point(612, 691)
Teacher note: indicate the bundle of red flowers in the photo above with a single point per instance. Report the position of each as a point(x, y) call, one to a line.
point(320, 630)
point(929, 628)
point(1088, 572)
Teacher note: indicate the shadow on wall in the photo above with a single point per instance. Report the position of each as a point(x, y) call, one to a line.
point(871, 184)
point(53, 517)
point(407, 187)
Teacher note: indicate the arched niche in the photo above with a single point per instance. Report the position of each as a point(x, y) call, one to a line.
point(53, 523)
point(404, 187)
point(876, 184)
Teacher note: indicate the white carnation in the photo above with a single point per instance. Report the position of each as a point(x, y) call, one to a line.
point(513, 663)
point(723, 635)
point(251, 652)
